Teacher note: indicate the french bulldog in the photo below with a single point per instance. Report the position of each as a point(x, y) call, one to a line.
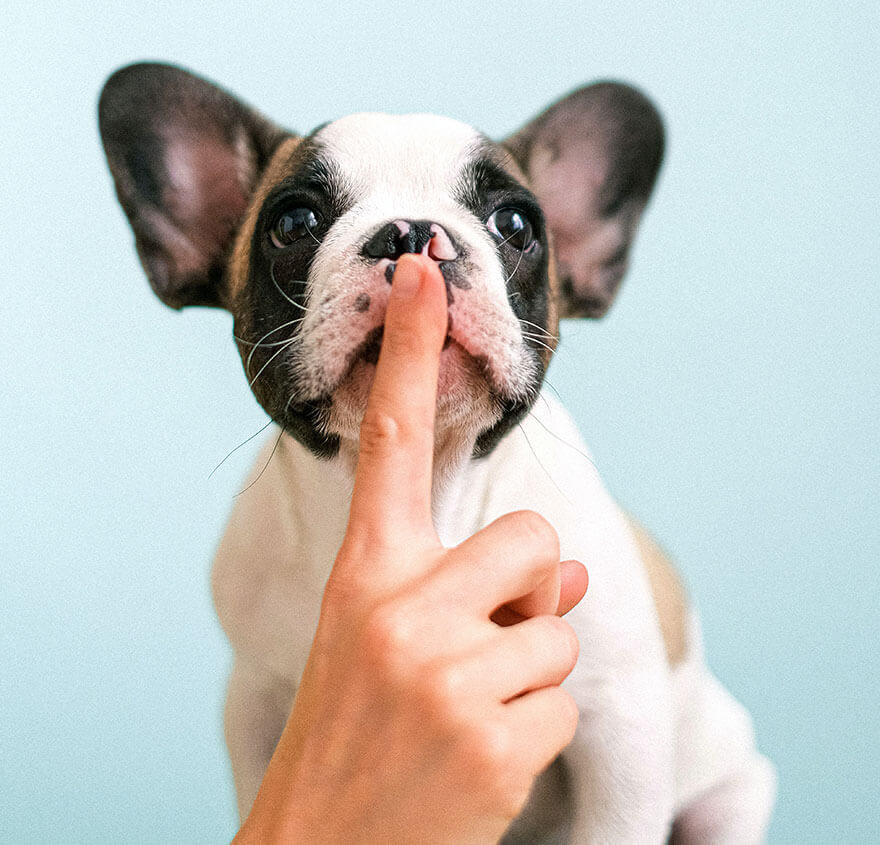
point(297, 236)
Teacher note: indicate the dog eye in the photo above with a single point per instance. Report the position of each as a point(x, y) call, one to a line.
point(292, 225)
point(512, 227)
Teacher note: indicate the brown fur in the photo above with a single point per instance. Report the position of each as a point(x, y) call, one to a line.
point(670, 598)
point(279, 166)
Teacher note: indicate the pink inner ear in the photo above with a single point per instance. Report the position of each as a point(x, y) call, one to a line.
point(206, 196)
point(568, 186)
point(567, 183)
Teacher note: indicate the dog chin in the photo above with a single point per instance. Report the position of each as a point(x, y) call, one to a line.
point(465, 398)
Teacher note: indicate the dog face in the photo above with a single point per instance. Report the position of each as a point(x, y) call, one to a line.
point(298, 237)
point(320, 252)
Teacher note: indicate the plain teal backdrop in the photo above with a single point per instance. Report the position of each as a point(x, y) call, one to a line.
point(731, 398)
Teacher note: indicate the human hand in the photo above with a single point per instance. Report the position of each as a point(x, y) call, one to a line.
point(420, 716)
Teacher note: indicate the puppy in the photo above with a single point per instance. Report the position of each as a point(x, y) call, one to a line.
point(297, 237)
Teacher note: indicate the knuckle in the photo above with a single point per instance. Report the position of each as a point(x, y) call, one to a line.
point(440, 693)
point(379, 433)
point(512, 796)
point(446, 687)
point(492, 747)
point(564, 638)
point(540, 532)
point(388, 639)
point(493, 766)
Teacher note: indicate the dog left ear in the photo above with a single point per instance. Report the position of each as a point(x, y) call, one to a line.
point(592, 159)
point(185, 157)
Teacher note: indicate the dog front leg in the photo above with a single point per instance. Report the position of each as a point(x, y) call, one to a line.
point(726, 787)
point(258, 703)
point(621, 761)
point(734, 812)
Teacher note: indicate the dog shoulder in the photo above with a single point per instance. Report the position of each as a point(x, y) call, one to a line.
point(252, 547)
point(550, 439)
point(275, 554)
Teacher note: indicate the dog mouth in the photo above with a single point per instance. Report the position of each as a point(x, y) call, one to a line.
point(463, 375)
point(369, 349)
point(484, 366)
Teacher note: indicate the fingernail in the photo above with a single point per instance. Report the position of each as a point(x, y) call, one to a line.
point(406, 280)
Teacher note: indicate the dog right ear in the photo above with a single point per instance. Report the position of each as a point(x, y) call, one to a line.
point(185, 157)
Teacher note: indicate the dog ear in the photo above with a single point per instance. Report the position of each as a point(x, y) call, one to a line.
point(592, 159)
point(185, 158)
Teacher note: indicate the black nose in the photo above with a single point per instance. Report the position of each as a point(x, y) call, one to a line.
point(397, 238)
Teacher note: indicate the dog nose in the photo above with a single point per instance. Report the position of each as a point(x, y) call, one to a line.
point(420, 236)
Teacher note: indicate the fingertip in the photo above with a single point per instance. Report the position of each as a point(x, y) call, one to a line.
point(407, 279)
point(417, 317)
point(416, 262)
point(574, 580)
point(415, 273)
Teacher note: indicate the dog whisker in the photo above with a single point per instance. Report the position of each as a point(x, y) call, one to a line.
point(535, 339)
point(543, 398)
point(260, 341)
point(542, 335)
point(243, 443)
point(271, 358)
point(522, 252)
point(271, 455)
point(272, 343)
point(544, 468)
point(280, 433)
point(571, 446)
point(278, 288)
point(539, 328)
point(501, 243)
point(558, 395)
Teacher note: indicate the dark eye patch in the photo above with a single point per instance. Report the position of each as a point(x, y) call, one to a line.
point(275, 297)
point(485, 188)
point(313, 185)
point(280, 268)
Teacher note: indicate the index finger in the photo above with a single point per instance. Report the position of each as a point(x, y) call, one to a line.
point(392, 490)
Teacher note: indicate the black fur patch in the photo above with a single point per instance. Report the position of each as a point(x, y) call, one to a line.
point(274, 299)
point(454, 274)
point(484, 188)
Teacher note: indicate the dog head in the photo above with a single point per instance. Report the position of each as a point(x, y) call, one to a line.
point(297, 237)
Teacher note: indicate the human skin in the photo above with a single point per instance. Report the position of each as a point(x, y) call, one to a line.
point(431, 698)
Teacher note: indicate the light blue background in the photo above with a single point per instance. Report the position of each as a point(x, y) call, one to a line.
point(731, 398)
